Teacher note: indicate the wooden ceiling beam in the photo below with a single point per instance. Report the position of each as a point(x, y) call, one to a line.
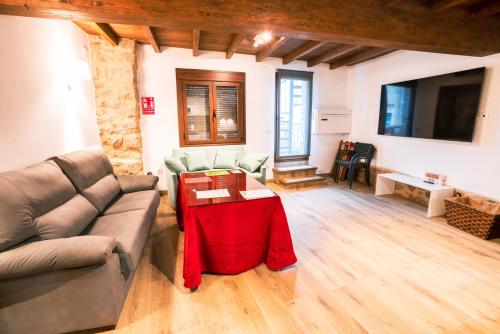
point(359, 22)
point(234, 45)
point(301, 51)
point(268, 49)
point(439, 5)
point(332, 54)
point(360, 57)
point(153, 39)
point(485, 9)
point(196, 42)
point(390, 3)
point(105, 31)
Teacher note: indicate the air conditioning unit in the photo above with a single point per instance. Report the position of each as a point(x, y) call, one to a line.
point(331, 121)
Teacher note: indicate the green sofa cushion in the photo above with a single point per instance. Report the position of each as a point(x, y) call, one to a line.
point(225, 159)
point(252, 161)
point(197, 160)
point(175, 165)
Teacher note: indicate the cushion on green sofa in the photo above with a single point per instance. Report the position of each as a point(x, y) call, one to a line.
point(225, 159)
point(175, 165)
point(197, 160)
point(252, 161)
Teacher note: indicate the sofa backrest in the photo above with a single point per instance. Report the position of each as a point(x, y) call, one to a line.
point(92, 175)
point(40, 201)
point(211, 151)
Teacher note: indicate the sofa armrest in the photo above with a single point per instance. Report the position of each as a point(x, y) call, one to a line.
point(263, 171)
point(54, 254)
point(131, 183)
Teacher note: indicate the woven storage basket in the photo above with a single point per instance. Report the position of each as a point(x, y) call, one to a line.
point(475, 216)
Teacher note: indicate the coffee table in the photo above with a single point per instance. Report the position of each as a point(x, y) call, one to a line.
point(230, 235)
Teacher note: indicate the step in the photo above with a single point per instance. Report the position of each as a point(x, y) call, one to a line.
point(307, 179)
point(287, 169)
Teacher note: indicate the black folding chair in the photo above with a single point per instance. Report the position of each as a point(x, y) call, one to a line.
point(361, 158)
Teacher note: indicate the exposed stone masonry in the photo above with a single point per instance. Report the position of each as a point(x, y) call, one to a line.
point(114, 70)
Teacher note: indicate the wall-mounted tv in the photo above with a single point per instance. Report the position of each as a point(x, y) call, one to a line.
point(441, 107)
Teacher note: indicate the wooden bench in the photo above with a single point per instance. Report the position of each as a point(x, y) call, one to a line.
point(386, 184)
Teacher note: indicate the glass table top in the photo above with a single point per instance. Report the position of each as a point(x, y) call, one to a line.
point(234, 182)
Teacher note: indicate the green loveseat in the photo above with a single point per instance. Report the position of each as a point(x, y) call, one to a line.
point(177, 163)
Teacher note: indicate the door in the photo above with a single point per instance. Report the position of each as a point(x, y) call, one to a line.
point(293, 115)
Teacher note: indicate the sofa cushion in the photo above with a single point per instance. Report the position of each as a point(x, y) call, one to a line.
point(35, 192)
point(252, 161)
point(67, 220)
point(175, 165)
point(91, 173)
point(130, 229)
point(197, 160)
point(225, 159)
point(50, 255)
point(140, 200)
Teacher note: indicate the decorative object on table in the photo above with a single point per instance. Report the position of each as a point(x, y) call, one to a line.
point(230, 235)
point(474, 215)
point(435, 178)
point(344, 152)
point(360, 160)
point(257, 193)
point(217, 173)
point(216, 193)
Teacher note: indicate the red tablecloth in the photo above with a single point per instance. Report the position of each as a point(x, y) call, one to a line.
point(230, 238)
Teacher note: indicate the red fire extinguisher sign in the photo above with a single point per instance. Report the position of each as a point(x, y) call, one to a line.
point(148, 105)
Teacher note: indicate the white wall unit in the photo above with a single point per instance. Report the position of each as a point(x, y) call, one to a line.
point(331, 121)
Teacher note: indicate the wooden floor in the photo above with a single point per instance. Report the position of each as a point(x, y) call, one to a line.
point(366, 264)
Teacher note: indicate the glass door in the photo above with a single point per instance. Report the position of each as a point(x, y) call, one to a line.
point(293, 115)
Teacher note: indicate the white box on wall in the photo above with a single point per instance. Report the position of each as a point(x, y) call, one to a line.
point(331, 121)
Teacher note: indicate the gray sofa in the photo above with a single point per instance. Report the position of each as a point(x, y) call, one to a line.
point(71, 235)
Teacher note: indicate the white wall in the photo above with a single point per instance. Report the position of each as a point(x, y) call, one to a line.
point(156, 76)
point(470, 166)
point(39, 116)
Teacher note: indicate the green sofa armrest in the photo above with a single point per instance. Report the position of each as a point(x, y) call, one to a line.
point(54, 254)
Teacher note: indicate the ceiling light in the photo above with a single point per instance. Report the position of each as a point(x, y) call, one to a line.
point(262, 38)
point(267, 36)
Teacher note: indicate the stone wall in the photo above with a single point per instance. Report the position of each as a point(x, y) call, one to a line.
point(114, 70)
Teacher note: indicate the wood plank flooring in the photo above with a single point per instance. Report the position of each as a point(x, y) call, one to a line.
point(366, 264)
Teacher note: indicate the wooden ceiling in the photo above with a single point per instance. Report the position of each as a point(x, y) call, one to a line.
point(339, 33)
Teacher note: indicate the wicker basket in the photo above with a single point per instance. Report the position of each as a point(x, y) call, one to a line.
point(475, 216)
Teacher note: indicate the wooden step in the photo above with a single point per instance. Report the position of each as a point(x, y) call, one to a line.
point(287, 169)
point(290, 172)
point(302, 182)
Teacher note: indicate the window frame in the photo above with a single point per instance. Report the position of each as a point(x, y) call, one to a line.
point(289, 74)
point(215, 78)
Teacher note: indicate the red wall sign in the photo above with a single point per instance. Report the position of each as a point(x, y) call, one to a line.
point(148, 105)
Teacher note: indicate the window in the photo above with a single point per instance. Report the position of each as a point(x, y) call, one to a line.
point(211, 107)
point(293, 115)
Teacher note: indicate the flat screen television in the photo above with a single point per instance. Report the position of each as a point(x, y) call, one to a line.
point(441, 107)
